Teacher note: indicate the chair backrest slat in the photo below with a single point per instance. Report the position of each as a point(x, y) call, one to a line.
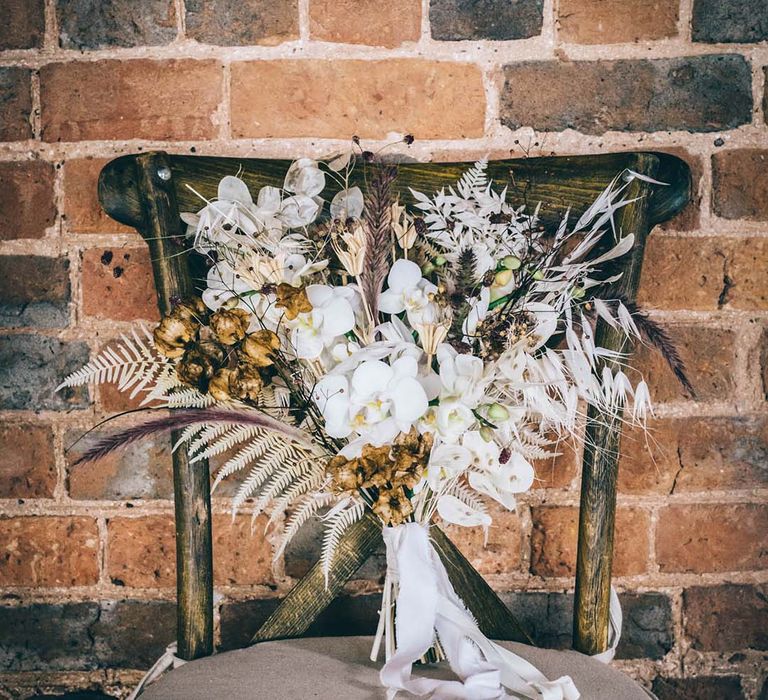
point(148, 191)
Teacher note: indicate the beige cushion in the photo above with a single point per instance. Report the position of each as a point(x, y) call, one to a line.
point(329, 668)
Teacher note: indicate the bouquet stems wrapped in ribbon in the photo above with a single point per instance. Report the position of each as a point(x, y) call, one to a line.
point(351, 351)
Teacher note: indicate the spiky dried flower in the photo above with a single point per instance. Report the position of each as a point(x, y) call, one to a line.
point(349, 243)
point(393, 506)
point(229, 325)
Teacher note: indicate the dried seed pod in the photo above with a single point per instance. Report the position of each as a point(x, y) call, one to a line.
point(229, 326)
point(259, 348)
point(218, 387)
point(192, 309)
point(245, 383)
point(393, 506)
point(173, 334)
point(293, 299)
point(200, 363)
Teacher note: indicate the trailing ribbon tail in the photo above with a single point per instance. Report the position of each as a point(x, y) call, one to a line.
point(428, 605)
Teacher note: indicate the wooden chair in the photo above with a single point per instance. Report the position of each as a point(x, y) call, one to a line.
point(148, 191)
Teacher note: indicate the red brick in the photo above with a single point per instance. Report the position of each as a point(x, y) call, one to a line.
point(698, 688)
point(682, 455)
point(495, 20)
point(26, 199)
point(118, 284)
point(692, 93)
point(709, 355)
point(81, 209)
point(727, 617)
point(48, 551)
point(23, 23)
point(558, 472)
point(42, 300)
point(502, 553)
point(242, 22)
point(142, 552)
point(615, 21)
point(705, 273)
point(142, 470)
point(146, 99)
point(27, 464)
point(365, 21)
point(740, 184)
point(689, 216)
point(555, 535)
point(334, 99)
point(16, 104)
point(712, 538)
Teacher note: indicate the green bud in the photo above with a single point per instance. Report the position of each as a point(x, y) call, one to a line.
point(579, 292)
point(497, 412)
point(502, 278)
point(538, 275)
point(440, 261)
point(511, 262)
point(428, 269)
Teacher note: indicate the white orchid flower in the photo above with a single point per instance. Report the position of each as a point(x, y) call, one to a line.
point(378, 402)
point(298, 211)
point(407, 290)
point(304, 178)
point(478, 310)
point(450, 419)
point(461, 376)
point(347, 204)
point(332, 316)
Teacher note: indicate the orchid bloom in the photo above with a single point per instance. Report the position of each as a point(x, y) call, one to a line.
point(407, 290)
point(376, 403)
point(332, 316)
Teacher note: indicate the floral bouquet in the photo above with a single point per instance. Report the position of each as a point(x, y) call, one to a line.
point(412, 358)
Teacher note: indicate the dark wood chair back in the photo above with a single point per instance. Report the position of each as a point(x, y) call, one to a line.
point(148, 191)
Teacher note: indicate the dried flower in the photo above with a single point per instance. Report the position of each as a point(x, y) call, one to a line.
point(245, 383)
point(403, 228)
point(410, 454)
point(192, 309)
point(173, 334)
point(293, 299)
point(349, 246)
point(259, 348)
point(229, 325)
point(372, 468)
point(200, 363)
point(393, 506)
point(218, 387)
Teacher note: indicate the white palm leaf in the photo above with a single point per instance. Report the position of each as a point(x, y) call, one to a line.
point(338, 521)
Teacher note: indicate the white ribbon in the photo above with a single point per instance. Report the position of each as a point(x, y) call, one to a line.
point(615, 620)
point(427, 604)
point(167, 661)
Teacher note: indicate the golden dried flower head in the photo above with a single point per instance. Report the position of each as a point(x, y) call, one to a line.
point(218, 387)
point(372, 468)
point(293, 299)
point(229, 325)
point(245, 383)
point(200, 363)
point(393, 506)
point(259, 348)
point(173, 334)
point(410, 455)
point(192, 309)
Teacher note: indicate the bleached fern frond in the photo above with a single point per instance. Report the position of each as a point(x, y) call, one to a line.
point(314, 480)
point(305, 509)
point(283, 480)
point(260, 445)
point(338, 520)
point(234, 435)
point(187, 398)
point(201, 442)
point(534, 452)
point(131, 363)
point(473, 180)
point(467, 496)
point(188, 434)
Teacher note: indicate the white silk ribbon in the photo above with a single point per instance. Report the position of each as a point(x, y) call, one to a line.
point(428, 605)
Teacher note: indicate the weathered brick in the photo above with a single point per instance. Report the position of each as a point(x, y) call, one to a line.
point(141, 98)
point(724, 21)
point(682, 455)
point(43, 551)
point(502, 553)
point(558, 472)
point(118, 284)
point(34, 291)
point(740, 184)
point(141, 551)
point(140, 470)
point(23, 23)
point(455, 20)
point(27, 464)
point(692, 93)
point(47, 636)
point(615, 22)
point(712, 538)
point(26, 199)
point(705, 273)
point(32, 366)
point(699, 688)
point(82, 212)
point(15, 104)
point(554, 540)
point(366, 98)
point(240, 619)
point(242, 22)
point(133, 633)
point(99, 25)
point(690, 215)
point(548, 617)
point(365, 21)
point(727, 617)
point(709, 355)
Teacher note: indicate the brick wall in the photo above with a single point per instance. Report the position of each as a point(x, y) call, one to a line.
point(86, 554)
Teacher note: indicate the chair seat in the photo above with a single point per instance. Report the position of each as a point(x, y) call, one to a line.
point(332, 668)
